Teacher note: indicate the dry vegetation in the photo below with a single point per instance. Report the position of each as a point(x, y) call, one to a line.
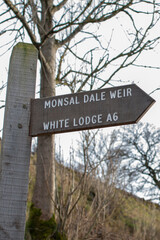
point(87, 208)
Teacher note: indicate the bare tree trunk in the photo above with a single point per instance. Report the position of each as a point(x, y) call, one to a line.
point(44, 191)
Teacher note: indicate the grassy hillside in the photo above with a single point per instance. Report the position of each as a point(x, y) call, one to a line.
point(90, 209)
point(99, 211)
point(136, 218)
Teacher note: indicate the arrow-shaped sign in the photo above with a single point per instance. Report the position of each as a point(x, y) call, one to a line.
point(87, 110)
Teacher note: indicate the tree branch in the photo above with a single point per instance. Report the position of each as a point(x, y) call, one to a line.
point(23, 21)
point(56, 8)
point(88, 19)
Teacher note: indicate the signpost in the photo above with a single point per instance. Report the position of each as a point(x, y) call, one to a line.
point(87, 110)
point(16, 144)
point(66, 113)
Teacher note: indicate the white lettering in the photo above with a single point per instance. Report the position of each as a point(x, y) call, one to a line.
point(129, 92)
point(103, 96)
point(66, 101)
point(76, 100)
point(94, 97)
point(99, 118)
point(53, 125)
point(71, 100)
point(113, 94)
point(112, 117)
point(66, 123)
point(60, 102)
point(124, 92)
point(54, 103)
point(45, 126)
point(115, 116)
point(74, 123)
point(47, 104)
point(97, 98)
point(121, 93)
point(86, 98)
point(87, 120)
point(62, 123)
point(81, 121)
point(94, 119)
point(109, 118)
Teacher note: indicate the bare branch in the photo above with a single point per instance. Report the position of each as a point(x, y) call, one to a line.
point(92, 17)
point(146, 66)
point(157, 89)
point(3, 106)
point(23, 21)
point(56, 8)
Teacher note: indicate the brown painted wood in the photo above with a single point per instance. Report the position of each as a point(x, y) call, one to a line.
point(88, 110)
point(16, 144)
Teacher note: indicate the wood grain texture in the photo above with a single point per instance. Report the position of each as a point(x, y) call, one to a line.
point(88, 110)
point(16, 144)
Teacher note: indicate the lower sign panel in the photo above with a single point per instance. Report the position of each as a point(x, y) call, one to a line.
point(88, 110)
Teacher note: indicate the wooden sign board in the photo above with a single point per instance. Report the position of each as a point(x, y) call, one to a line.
point(88, 110)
